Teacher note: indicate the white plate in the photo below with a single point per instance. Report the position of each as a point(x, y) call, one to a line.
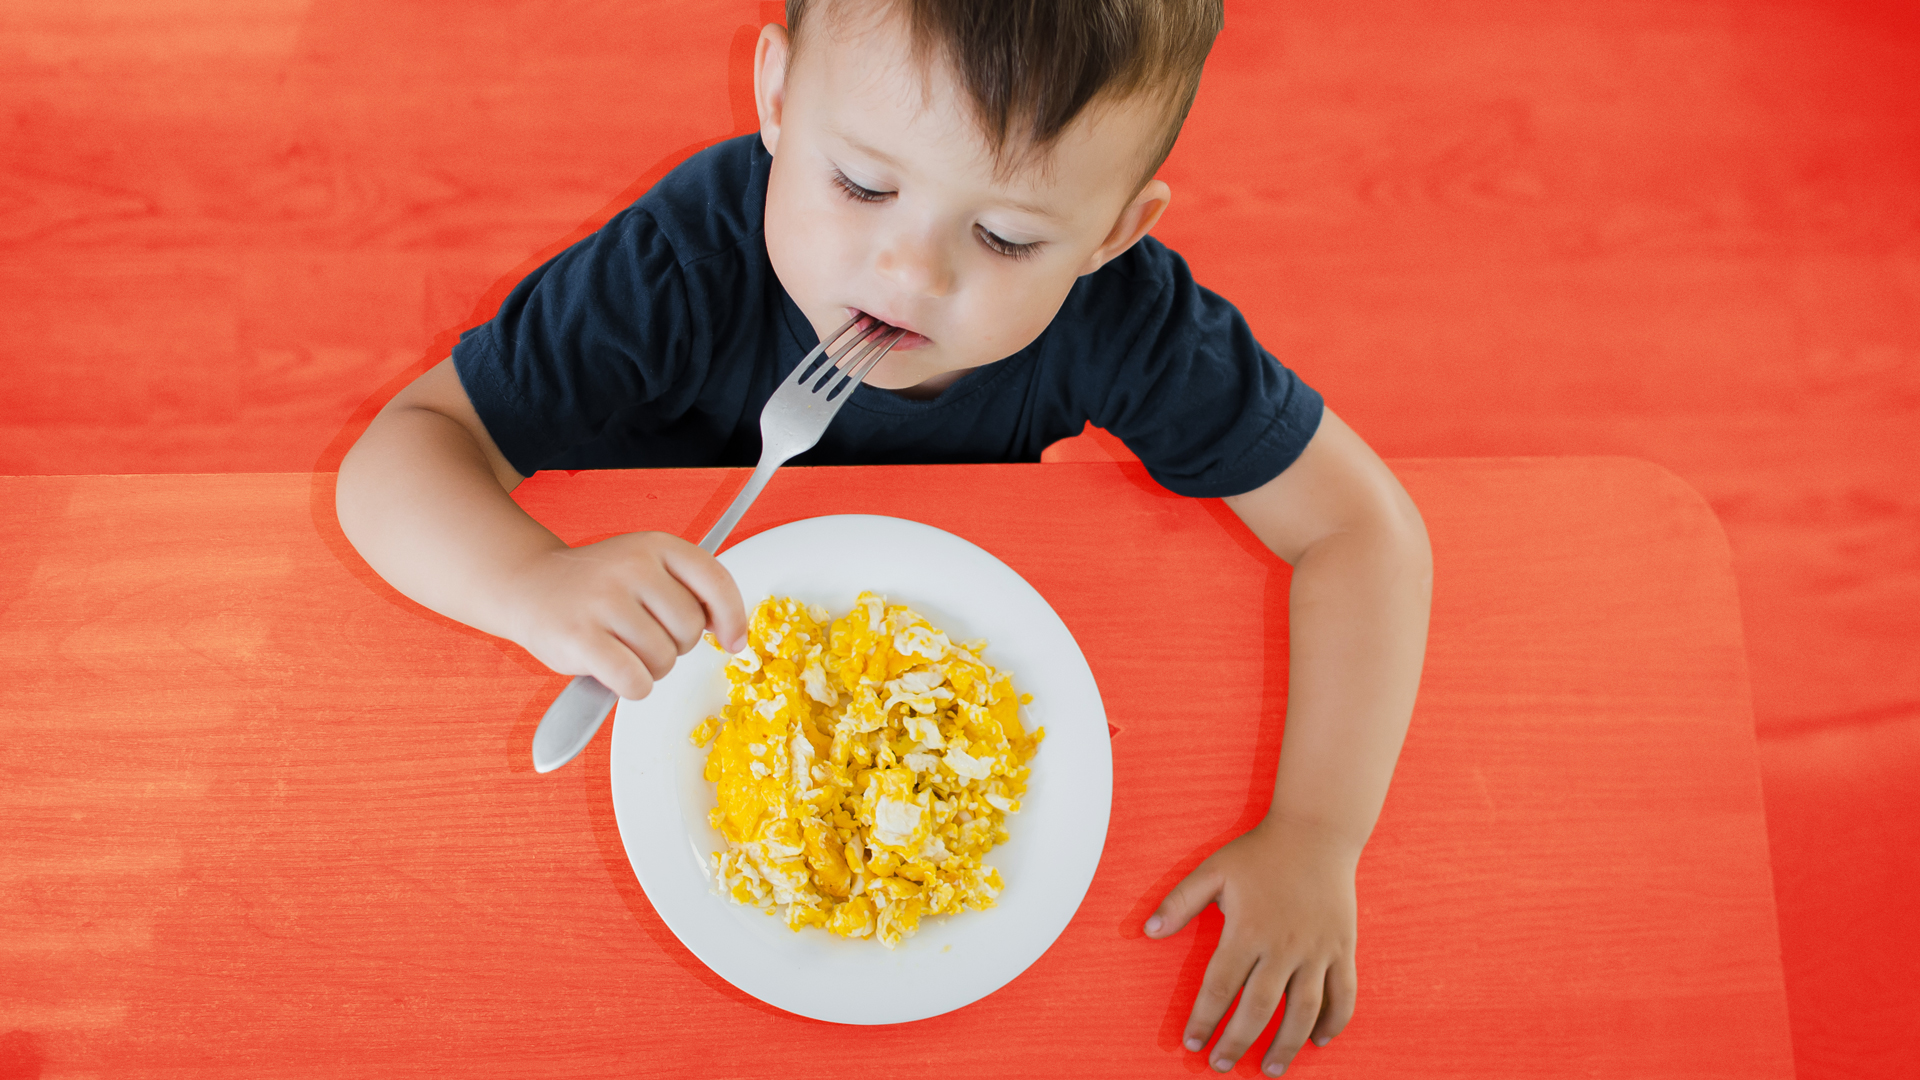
point(661, 800)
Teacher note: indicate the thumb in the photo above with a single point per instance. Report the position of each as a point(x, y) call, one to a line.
point(713, 586)
point(1189, 898)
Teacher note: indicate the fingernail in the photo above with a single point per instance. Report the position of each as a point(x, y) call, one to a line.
point(1322, 1040)
point(1195, 1045)
point(1275, 1069)
point(1153, 927)
point(1222, 1065)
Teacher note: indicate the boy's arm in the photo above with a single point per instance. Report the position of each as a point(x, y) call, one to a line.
point(424, 497)
point(1362, 580)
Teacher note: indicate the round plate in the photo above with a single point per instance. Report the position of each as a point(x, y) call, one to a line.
point(661, 800)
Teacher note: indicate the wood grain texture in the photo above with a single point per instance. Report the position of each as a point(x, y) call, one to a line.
point(267, 818)
point(1686, 231)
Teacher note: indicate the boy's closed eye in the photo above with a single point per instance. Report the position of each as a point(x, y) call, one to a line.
point(1002, 246)
point(996, 243)
point(858, 192)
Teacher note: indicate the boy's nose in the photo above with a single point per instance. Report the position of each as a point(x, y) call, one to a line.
point(916, 264)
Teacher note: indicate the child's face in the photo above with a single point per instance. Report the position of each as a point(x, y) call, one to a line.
point(885, 199)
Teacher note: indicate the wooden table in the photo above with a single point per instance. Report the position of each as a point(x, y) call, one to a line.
point(263, 817)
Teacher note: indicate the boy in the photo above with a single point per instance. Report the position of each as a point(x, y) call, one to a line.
point(979, 173)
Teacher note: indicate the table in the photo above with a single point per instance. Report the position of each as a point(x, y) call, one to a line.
point(262, 816)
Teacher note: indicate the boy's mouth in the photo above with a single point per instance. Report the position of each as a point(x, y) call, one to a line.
point(911, 339)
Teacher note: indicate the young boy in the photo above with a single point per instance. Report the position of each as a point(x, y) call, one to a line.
point(979, 173)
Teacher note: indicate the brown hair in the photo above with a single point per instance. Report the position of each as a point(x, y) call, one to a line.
point(1030, 67)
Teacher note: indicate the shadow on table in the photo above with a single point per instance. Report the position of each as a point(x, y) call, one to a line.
point(1206, 928)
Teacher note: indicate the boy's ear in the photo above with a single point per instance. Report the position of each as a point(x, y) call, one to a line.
point(1133, 223)
point(770, 57)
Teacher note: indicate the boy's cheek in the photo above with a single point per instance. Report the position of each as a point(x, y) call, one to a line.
point(1008, 316)
point(805, 248)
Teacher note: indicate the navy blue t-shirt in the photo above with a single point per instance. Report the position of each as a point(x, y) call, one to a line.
point(657, 340)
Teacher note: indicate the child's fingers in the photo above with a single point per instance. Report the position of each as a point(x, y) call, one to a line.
point(1189, 898)
point(646, 639)
point(677, 611)
point(1257, 1002)
point(703, 576)
point(1226, 972)
point(1305, 992)
point(608, 659)
point(1343, 989)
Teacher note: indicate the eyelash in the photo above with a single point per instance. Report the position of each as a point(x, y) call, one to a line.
point(1006, 248)
point(855, 191)
point(997, 245)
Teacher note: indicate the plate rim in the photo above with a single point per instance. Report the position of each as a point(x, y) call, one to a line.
point(1079, 872)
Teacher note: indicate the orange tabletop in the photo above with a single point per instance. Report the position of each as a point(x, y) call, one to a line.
point(264, 817)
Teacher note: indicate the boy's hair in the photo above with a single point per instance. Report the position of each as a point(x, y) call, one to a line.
point(1031, 66)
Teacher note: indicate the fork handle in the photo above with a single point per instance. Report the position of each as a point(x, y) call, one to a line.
point(761, 474)
point(574, 716)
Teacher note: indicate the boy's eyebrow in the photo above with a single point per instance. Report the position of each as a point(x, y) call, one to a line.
point(892, 162)
point(1035, 210)
point(871, 151)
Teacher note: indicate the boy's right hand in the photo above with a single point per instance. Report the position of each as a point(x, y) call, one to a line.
point(622, 610)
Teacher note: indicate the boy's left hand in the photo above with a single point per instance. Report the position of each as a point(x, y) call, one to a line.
point(1286, 891)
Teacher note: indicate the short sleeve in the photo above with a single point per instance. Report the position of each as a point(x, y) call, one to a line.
point(1208, 410)
point(598, 335)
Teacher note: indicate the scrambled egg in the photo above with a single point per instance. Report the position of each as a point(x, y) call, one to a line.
point(862, 771)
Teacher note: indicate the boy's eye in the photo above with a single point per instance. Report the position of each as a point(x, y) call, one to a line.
point(855, 191)
point(999, 245)
point(1002, 246)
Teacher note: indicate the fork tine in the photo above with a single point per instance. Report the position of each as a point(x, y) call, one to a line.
point(811, 362)
point(865, 364)
point(860, 370)
point(866, 350)
point(866, 347)
point(872, 328)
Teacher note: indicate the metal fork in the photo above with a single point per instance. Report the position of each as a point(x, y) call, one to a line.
point(795, 417)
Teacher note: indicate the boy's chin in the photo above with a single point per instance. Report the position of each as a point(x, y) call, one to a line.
point(911, 379)
point(898, 386)
point(896, 373)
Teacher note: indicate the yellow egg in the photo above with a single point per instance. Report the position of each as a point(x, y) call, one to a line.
point(862, 769)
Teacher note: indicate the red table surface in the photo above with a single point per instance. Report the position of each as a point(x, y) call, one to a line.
point(262, 816)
